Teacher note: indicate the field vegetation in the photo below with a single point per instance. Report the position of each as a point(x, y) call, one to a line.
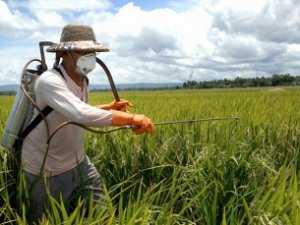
point(218, 172)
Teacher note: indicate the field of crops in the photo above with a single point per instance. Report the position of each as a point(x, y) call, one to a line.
point(218, 172)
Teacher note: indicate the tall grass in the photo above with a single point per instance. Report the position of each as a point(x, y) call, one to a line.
point(207, 173)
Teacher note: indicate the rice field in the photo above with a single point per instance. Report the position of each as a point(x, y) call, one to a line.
point(217, 172)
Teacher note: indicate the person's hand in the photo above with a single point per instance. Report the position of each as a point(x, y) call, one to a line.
point(142, 124)
point(121, 105)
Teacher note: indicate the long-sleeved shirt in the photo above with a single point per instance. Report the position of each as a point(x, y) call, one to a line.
point(69, 103)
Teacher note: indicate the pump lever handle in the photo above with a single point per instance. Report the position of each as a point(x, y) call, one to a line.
point(42, 44)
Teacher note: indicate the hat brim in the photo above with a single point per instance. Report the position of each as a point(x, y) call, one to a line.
point(78, 46)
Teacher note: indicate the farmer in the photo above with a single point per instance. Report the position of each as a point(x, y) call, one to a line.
point(67, 169)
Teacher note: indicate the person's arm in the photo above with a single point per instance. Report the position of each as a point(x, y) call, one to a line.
point(53, 91)
point(104, 106)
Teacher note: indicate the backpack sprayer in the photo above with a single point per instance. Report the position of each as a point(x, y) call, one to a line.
point(24, 104)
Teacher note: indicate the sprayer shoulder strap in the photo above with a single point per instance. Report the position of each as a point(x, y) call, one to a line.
point(46, 111)
point(43, 114)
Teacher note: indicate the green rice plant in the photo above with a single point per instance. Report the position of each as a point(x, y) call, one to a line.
point(228, 172)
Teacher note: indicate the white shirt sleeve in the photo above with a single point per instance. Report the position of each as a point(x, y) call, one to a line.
point(53, 90)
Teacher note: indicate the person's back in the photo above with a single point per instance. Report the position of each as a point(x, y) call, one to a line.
point(66, 148)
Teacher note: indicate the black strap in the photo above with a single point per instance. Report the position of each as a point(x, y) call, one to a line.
point(36, 121)
point(44, 113)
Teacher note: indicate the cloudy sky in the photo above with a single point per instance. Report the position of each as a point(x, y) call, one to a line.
point(161, 40)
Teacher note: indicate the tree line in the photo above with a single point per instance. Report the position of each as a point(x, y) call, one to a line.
point(274, 80)
point(8, 93)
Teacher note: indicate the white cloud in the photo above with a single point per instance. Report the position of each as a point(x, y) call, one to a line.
point(208, 38)
point(49, 19)
point(13, 23)
point(272, 20)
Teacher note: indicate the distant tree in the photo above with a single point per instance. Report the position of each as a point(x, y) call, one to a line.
point(274, 80)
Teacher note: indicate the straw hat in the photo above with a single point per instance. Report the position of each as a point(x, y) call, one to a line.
point(78, 38)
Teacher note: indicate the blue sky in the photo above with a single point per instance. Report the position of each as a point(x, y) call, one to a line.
point(160, 41)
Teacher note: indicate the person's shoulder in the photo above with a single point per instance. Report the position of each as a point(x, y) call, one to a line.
point(49, 78)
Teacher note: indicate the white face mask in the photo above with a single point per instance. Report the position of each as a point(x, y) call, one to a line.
point(86, 63)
